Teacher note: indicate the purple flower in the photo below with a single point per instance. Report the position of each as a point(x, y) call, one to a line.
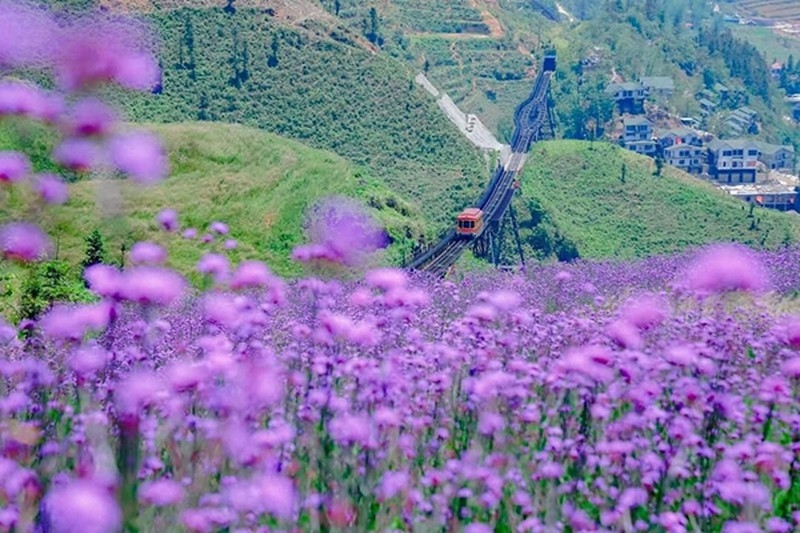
point(51, 189)
point(14, 166)
point(168, 220)
point(88, 360)
point(137, 391)
point(28, 34)
point(161, 492)
point(79, 155)
point(231, 244)
point(214, 265)
point(645, 312)
point(73, 322)
point(792, 367)
point(141, 156)
point(148, 253)
point(82, 506)
point(104, 280)
point(726, 267)
point(251, 274)
point(219, 228)
point(23, 242)
point(152, 285)
point(387, 278)
point(340, 232)
point(19, 99)
point(90, 116)
point(100, 49)
point(393, 483)
point(190, 233)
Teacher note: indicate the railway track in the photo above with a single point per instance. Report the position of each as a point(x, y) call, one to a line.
point(529, 117)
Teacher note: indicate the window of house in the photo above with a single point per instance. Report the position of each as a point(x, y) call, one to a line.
point(738, 152)
point(752, 152)
point(726, 153)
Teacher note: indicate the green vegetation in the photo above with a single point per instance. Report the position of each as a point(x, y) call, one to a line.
point(773, 45)
point(608, 202)
point(258, 183)
point(245, 68)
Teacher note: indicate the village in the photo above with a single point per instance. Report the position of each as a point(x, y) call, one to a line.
point(732, 158)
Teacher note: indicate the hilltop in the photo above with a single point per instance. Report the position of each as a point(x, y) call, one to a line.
point(607, 202)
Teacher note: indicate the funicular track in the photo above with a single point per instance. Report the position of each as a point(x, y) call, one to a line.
point(530, 118)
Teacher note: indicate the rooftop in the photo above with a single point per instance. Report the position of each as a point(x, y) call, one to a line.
point(659, 82)
point(732, 144)
point(624, 86)
point(636, 121)
point(767, 148)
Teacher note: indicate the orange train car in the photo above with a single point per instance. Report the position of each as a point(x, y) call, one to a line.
point(470, 222)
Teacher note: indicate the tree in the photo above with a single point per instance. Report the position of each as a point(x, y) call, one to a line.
point(45, 285)
point(272, 60)
point(372, 28)
point(95, 250)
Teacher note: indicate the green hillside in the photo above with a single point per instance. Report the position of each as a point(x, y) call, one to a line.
point(258, 183)
point(576, 190)
point(248, 68)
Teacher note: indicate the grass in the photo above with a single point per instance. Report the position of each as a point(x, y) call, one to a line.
point(578, 184)
point(258, 183)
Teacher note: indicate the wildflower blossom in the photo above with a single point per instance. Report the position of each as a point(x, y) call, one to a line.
point(82, 506)
point(14, 166)
point(140, 155)
point(24, 242)
point(51, 189)
point(168, 219)
point(726, 267)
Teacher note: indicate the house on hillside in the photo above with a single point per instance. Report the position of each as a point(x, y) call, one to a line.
point(636, 129)
point(742, 120)
point(658, 86)
point(770, 195)
point(707, 107)
point(732, 161)
point(682, 148)
point(629, 96)
point(678, 136)
point(776, 157)
point(637, 136)
point(687, 157)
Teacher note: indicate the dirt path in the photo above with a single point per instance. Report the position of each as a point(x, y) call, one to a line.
point(496, 30)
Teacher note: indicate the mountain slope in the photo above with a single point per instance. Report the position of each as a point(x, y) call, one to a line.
point(251, 69)
point(589, 200)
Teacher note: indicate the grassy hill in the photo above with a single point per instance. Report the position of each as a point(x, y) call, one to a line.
point(260, 184)
point(313, 84)
point(575, 191)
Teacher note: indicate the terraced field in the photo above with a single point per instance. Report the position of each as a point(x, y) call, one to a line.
point(424, 16)
point(787, 10)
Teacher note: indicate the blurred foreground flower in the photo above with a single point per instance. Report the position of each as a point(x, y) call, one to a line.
point(22, 241)
point(341, 232)
point(82, 506)
point(14, 166)
point(726, 267)
point(141, 156)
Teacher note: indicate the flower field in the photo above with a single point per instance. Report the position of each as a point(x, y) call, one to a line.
point(586, 398)
point(660, 395)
